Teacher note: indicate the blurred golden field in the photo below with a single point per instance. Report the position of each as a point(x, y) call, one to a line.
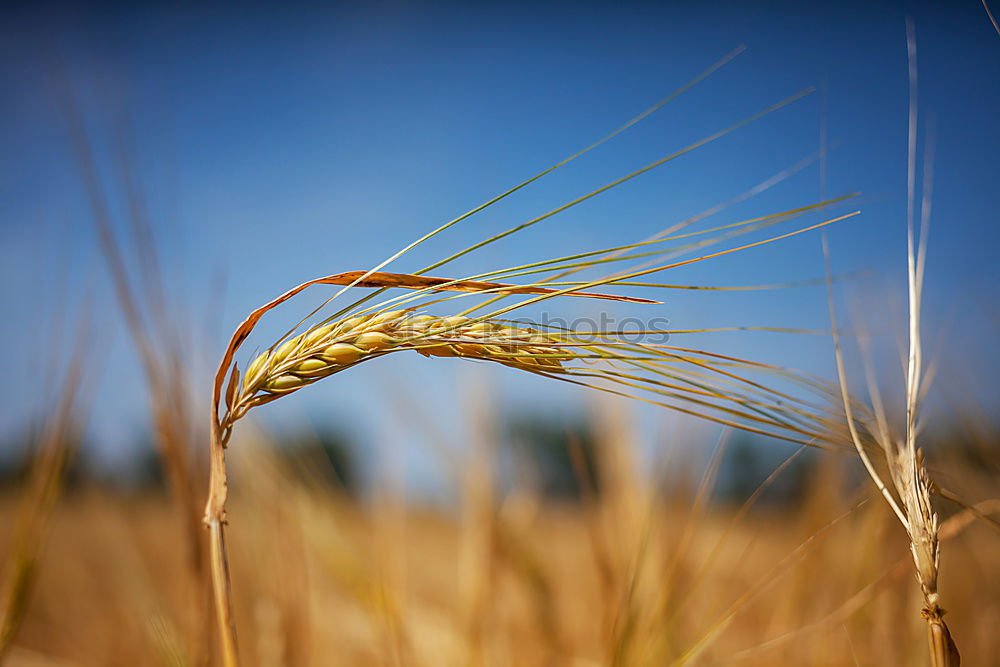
point(628, 575)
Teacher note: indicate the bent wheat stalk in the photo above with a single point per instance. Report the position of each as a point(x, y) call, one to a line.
point(724, 389)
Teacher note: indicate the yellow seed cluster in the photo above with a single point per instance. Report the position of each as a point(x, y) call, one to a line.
point(326, 349)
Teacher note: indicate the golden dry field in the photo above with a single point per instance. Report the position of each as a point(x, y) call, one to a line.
point(626, 577)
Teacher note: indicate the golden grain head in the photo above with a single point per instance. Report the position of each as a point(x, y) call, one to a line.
point(329, 348)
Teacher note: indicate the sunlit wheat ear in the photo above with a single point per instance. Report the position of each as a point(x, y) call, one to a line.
point(331, 348)
point(715, 387)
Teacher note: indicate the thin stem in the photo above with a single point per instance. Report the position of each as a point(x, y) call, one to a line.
point(215, 519)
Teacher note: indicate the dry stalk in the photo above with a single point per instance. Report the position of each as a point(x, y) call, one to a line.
point(906, 467)
point(910, 480)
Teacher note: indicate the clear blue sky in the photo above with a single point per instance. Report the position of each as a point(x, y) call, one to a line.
point(277, 145)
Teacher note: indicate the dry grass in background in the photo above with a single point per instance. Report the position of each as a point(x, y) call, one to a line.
point(629, 577)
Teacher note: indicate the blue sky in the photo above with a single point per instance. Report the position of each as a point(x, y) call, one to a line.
point(277, 145)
